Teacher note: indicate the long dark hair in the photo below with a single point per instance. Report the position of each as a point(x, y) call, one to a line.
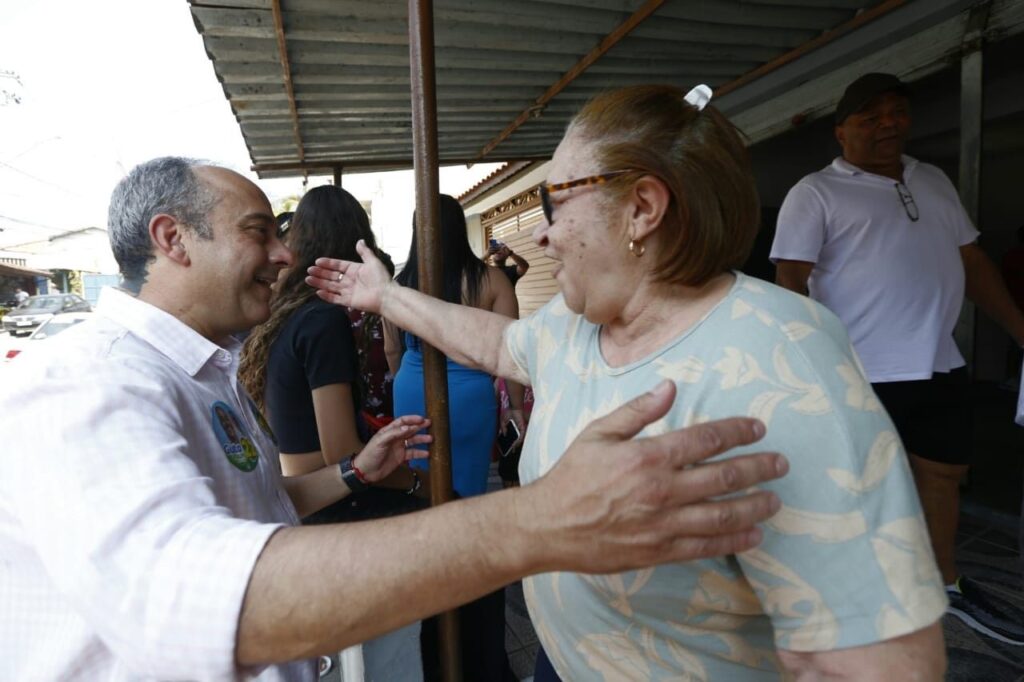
point(459, 263)
point(327, 222)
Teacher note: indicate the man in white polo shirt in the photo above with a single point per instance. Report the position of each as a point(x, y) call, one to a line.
point(146, 532)
point(883, 241)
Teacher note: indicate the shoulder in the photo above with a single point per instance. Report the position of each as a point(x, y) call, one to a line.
point(784, 315)
point(553, 311)
point(497, 277)
point(496, 283)
point(96, 356)
point(555, 320)
point(319, 313)
point(812, 188)
point(933, 175)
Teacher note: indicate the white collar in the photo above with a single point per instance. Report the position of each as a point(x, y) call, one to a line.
point(182, 344)
point(841, 165)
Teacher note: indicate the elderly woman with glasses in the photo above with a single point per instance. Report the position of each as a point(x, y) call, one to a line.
point(650, 208)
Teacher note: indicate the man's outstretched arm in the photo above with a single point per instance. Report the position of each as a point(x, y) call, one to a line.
point(612, 503)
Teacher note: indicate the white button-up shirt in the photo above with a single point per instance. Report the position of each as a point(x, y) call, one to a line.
point(138, 486)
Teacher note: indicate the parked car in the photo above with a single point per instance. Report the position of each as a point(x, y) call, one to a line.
point(47, 330)
point(36, 310)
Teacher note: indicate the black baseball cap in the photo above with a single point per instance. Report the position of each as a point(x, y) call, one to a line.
point(864, 89)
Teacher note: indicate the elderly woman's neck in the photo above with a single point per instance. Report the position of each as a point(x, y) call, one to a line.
point(657, 313)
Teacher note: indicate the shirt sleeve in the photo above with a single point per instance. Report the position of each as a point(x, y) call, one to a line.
point(800, 230)
point(126, 525)
point(966, 232)
point(847, 560)
point(523, 337)
point(325, 346)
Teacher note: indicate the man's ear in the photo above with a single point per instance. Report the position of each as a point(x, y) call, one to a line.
point(840, 135)
point(648, 202)
point(166, 233)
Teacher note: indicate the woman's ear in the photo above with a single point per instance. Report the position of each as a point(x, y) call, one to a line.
point(166, 234)
point(648, 202)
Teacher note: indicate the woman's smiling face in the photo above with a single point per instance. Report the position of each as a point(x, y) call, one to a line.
point(587, 236)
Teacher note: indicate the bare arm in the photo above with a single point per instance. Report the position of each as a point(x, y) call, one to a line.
point(505, 303)
point(470, 336)
point(611, 503)
point(379, 460)
point(339, 437)
point(392, 346)
point(917, 657)
point(793, 275)
point(335, 422)
point(313, 491)
point(985, 286)
point(522, 265)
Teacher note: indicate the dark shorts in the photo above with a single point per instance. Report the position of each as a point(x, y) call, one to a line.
point(933, 416)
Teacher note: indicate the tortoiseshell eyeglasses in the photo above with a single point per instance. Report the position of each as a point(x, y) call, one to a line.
point(547, 189)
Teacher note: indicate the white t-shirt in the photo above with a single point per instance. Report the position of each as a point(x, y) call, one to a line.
point(137, 489)
point(897, 284)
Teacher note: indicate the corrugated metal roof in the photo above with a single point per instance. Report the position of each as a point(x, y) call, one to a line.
point(347, 67)
point(497, 177)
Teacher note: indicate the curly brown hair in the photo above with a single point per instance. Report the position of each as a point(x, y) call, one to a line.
point(327, 223)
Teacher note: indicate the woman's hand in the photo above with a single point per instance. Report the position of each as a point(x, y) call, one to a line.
point(357, 285)
point(515, 415)
point(392, 446)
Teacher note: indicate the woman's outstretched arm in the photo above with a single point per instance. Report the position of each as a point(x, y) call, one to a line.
point(470, 336)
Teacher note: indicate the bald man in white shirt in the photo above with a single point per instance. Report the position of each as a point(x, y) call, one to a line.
point(146, 531)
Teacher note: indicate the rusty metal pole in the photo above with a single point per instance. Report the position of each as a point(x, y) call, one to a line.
point(428, 236)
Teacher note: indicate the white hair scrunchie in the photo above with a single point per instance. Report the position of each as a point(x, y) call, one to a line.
point(699, 96)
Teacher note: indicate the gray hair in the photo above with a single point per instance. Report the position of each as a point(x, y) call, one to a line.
point(165, 185)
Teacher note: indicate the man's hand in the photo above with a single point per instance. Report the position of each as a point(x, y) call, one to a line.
point(392, 446)
point(357, 285)
point(612, 503)
point(615, 503)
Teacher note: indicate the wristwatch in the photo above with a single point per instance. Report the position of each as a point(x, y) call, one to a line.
point(354, 479)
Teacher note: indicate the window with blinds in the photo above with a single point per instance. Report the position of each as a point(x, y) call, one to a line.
point(513, 222)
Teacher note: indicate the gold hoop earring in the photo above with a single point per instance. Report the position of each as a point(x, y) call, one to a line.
point(636, 248)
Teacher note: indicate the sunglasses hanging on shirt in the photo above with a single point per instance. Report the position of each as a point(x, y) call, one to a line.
point(907, 199)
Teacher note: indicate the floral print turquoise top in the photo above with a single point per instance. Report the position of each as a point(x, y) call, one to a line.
point(846, 562)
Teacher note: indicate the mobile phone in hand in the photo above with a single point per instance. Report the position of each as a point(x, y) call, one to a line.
point(507, 440)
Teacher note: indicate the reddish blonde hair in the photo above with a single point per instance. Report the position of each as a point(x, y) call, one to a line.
point(714, 213)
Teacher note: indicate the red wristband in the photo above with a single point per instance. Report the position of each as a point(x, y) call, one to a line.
point(359, 474)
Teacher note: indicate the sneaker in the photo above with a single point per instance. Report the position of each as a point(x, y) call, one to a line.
point(969, 604)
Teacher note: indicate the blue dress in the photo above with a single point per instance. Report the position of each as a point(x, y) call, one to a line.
point(472, 411)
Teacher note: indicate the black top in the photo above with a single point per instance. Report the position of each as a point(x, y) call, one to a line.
point(314, 348)
point(512, 272)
